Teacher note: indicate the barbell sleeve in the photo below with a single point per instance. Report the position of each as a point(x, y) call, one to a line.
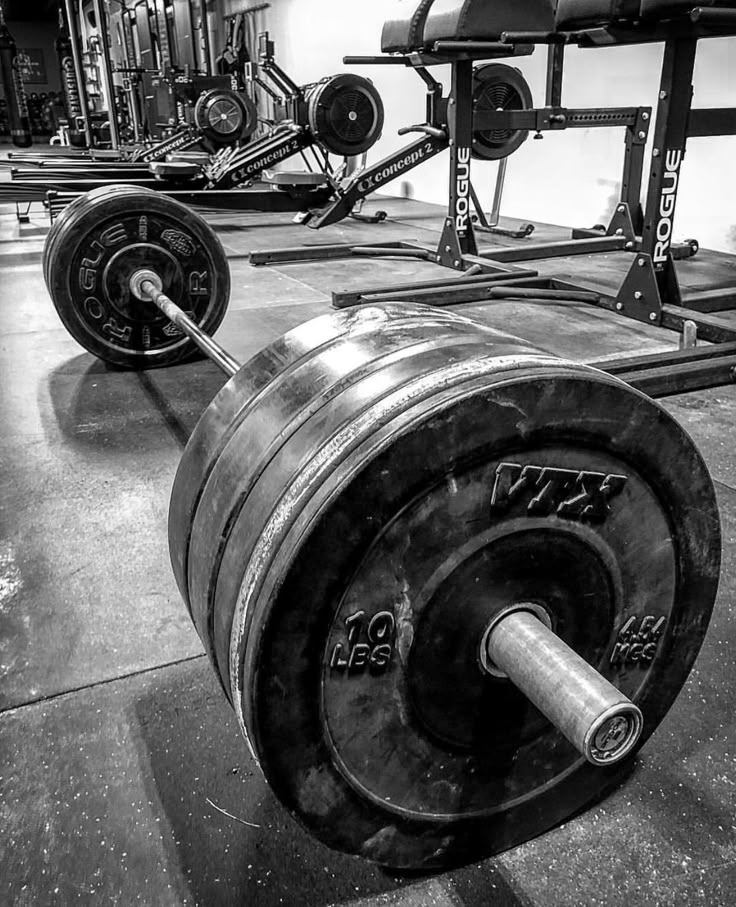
point(600, 721)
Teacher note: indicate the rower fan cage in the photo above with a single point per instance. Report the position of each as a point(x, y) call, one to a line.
point(224, 116)
point(497, 86)
point(345, 113)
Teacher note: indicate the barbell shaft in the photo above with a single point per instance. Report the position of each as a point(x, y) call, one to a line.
point(600, 721)
point(146, 286)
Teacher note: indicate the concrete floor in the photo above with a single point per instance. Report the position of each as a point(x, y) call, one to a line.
point(123, 775)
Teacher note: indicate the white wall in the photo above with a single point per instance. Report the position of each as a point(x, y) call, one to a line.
point(569, 178)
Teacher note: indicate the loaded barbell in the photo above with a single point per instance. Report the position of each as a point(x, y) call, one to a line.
point(449, 583)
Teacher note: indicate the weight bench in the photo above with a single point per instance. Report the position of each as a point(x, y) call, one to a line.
point(460, 32)
point(417, 26)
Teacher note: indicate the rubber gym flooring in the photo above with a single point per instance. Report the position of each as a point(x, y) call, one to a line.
point(123, 777)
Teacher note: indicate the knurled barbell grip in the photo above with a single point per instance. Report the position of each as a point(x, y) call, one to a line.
point(600, 721)
point(146, 286)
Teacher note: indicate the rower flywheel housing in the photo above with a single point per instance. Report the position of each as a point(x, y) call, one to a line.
point(345, 113)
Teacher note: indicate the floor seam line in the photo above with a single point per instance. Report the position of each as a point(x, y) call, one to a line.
point(724, 484)
point(99, 683)
point(300, 283)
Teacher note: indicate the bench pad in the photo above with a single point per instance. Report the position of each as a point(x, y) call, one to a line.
point(485, 20)
point(574, 14)
point(662, 8)
point(404, 28)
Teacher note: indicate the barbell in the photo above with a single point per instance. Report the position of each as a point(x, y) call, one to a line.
point(449, 583)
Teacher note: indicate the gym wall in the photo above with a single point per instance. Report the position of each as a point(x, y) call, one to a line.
point(570, 178)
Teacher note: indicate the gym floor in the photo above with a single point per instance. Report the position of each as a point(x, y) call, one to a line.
point(123, 776)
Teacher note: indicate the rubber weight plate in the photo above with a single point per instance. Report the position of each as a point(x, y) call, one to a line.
point(497, 86)
point(111, 233)
point(238, 398)
point(384, 539)
point(224, 116)
point(222, 416)
point(55, 229)
point(226, 525)
point(67, 214)
point(345, 113)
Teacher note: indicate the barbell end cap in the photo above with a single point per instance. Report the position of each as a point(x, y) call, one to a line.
point(614, 734)
point(139, 278)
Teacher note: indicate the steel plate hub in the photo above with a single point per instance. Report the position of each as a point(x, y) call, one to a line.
point(413, 720)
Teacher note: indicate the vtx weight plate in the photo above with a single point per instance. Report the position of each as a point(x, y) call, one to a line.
point(379, 541)
point(104, 238)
